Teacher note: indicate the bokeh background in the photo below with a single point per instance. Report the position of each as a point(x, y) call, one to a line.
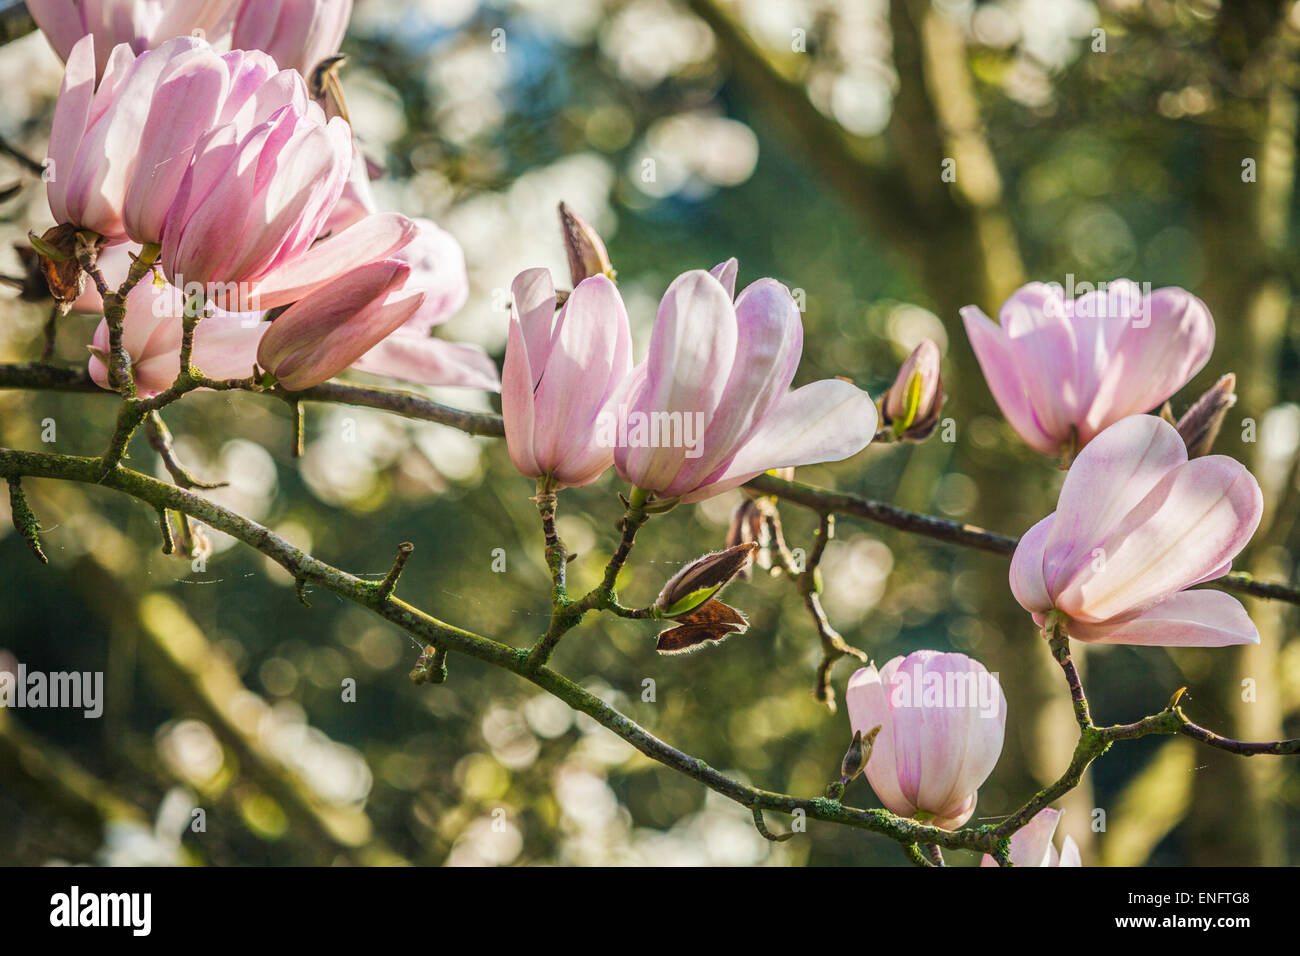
point(807, 138)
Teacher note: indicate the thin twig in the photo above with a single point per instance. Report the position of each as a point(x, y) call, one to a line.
point(389, 584)
point(160, 440)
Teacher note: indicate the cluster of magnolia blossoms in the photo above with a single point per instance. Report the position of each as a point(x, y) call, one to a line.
point(708, 409)
point(1140, 520)
point(251, 198)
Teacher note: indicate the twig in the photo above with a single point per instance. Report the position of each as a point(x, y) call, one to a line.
point(160, 440)
point(566, 613)
point(808, 581)
point(389, 584)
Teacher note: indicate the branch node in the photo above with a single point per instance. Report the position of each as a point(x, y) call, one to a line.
point(430, 666)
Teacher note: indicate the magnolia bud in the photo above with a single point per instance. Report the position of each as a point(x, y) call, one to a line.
point(911, 406)
point(586, 250)
point(859, 752)
point(327, 89)
point(59, 261)
point(1199, 426)
point(702, 579)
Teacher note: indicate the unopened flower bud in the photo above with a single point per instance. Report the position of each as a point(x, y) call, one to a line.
point(327, 89)
point(911, 406)
point(59, 262)
point(859, 752)
point(702, 579)
point(1199, 426)
point(586, 250)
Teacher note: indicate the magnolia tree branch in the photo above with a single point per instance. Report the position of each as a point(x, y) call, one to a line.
point(41, 377)
point(379, 598)
point(375, 596)
point(824, 502)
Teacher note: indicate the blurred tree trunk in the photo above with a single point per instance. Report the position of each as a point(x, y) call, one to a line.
point(1236, 818)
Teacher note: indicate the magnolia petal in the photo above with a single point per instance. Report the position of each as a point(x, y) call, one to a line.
point(1042, 342)
point(1069, 855)
point(71, 115)
point(517, 408)
point(828, 420)
point(1027, 581)
point(1203, 618)
point(1111, 475)
point(868, 705)
point(589, 356)
point(1157, 351)
point(726, 272)
point(373, 238)
point(533, 303)
point(1198, 516)
point(692, 349)
point(767, 355)
point(1002, 374)
point(424, 360)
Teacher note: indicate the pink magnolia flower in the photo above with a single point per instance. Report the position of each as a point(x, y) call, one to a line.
point(119, 153)
point(250, 204)
point(140, 24)
point(411, 353)
point(1137, 524)
point(297, 33)
point(1062, 371)
point(560, 372)
point(225, 343)
point(1032, 845)
point(98, 136)
point(322, 334)
point(941, 718)
point(710, 407)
